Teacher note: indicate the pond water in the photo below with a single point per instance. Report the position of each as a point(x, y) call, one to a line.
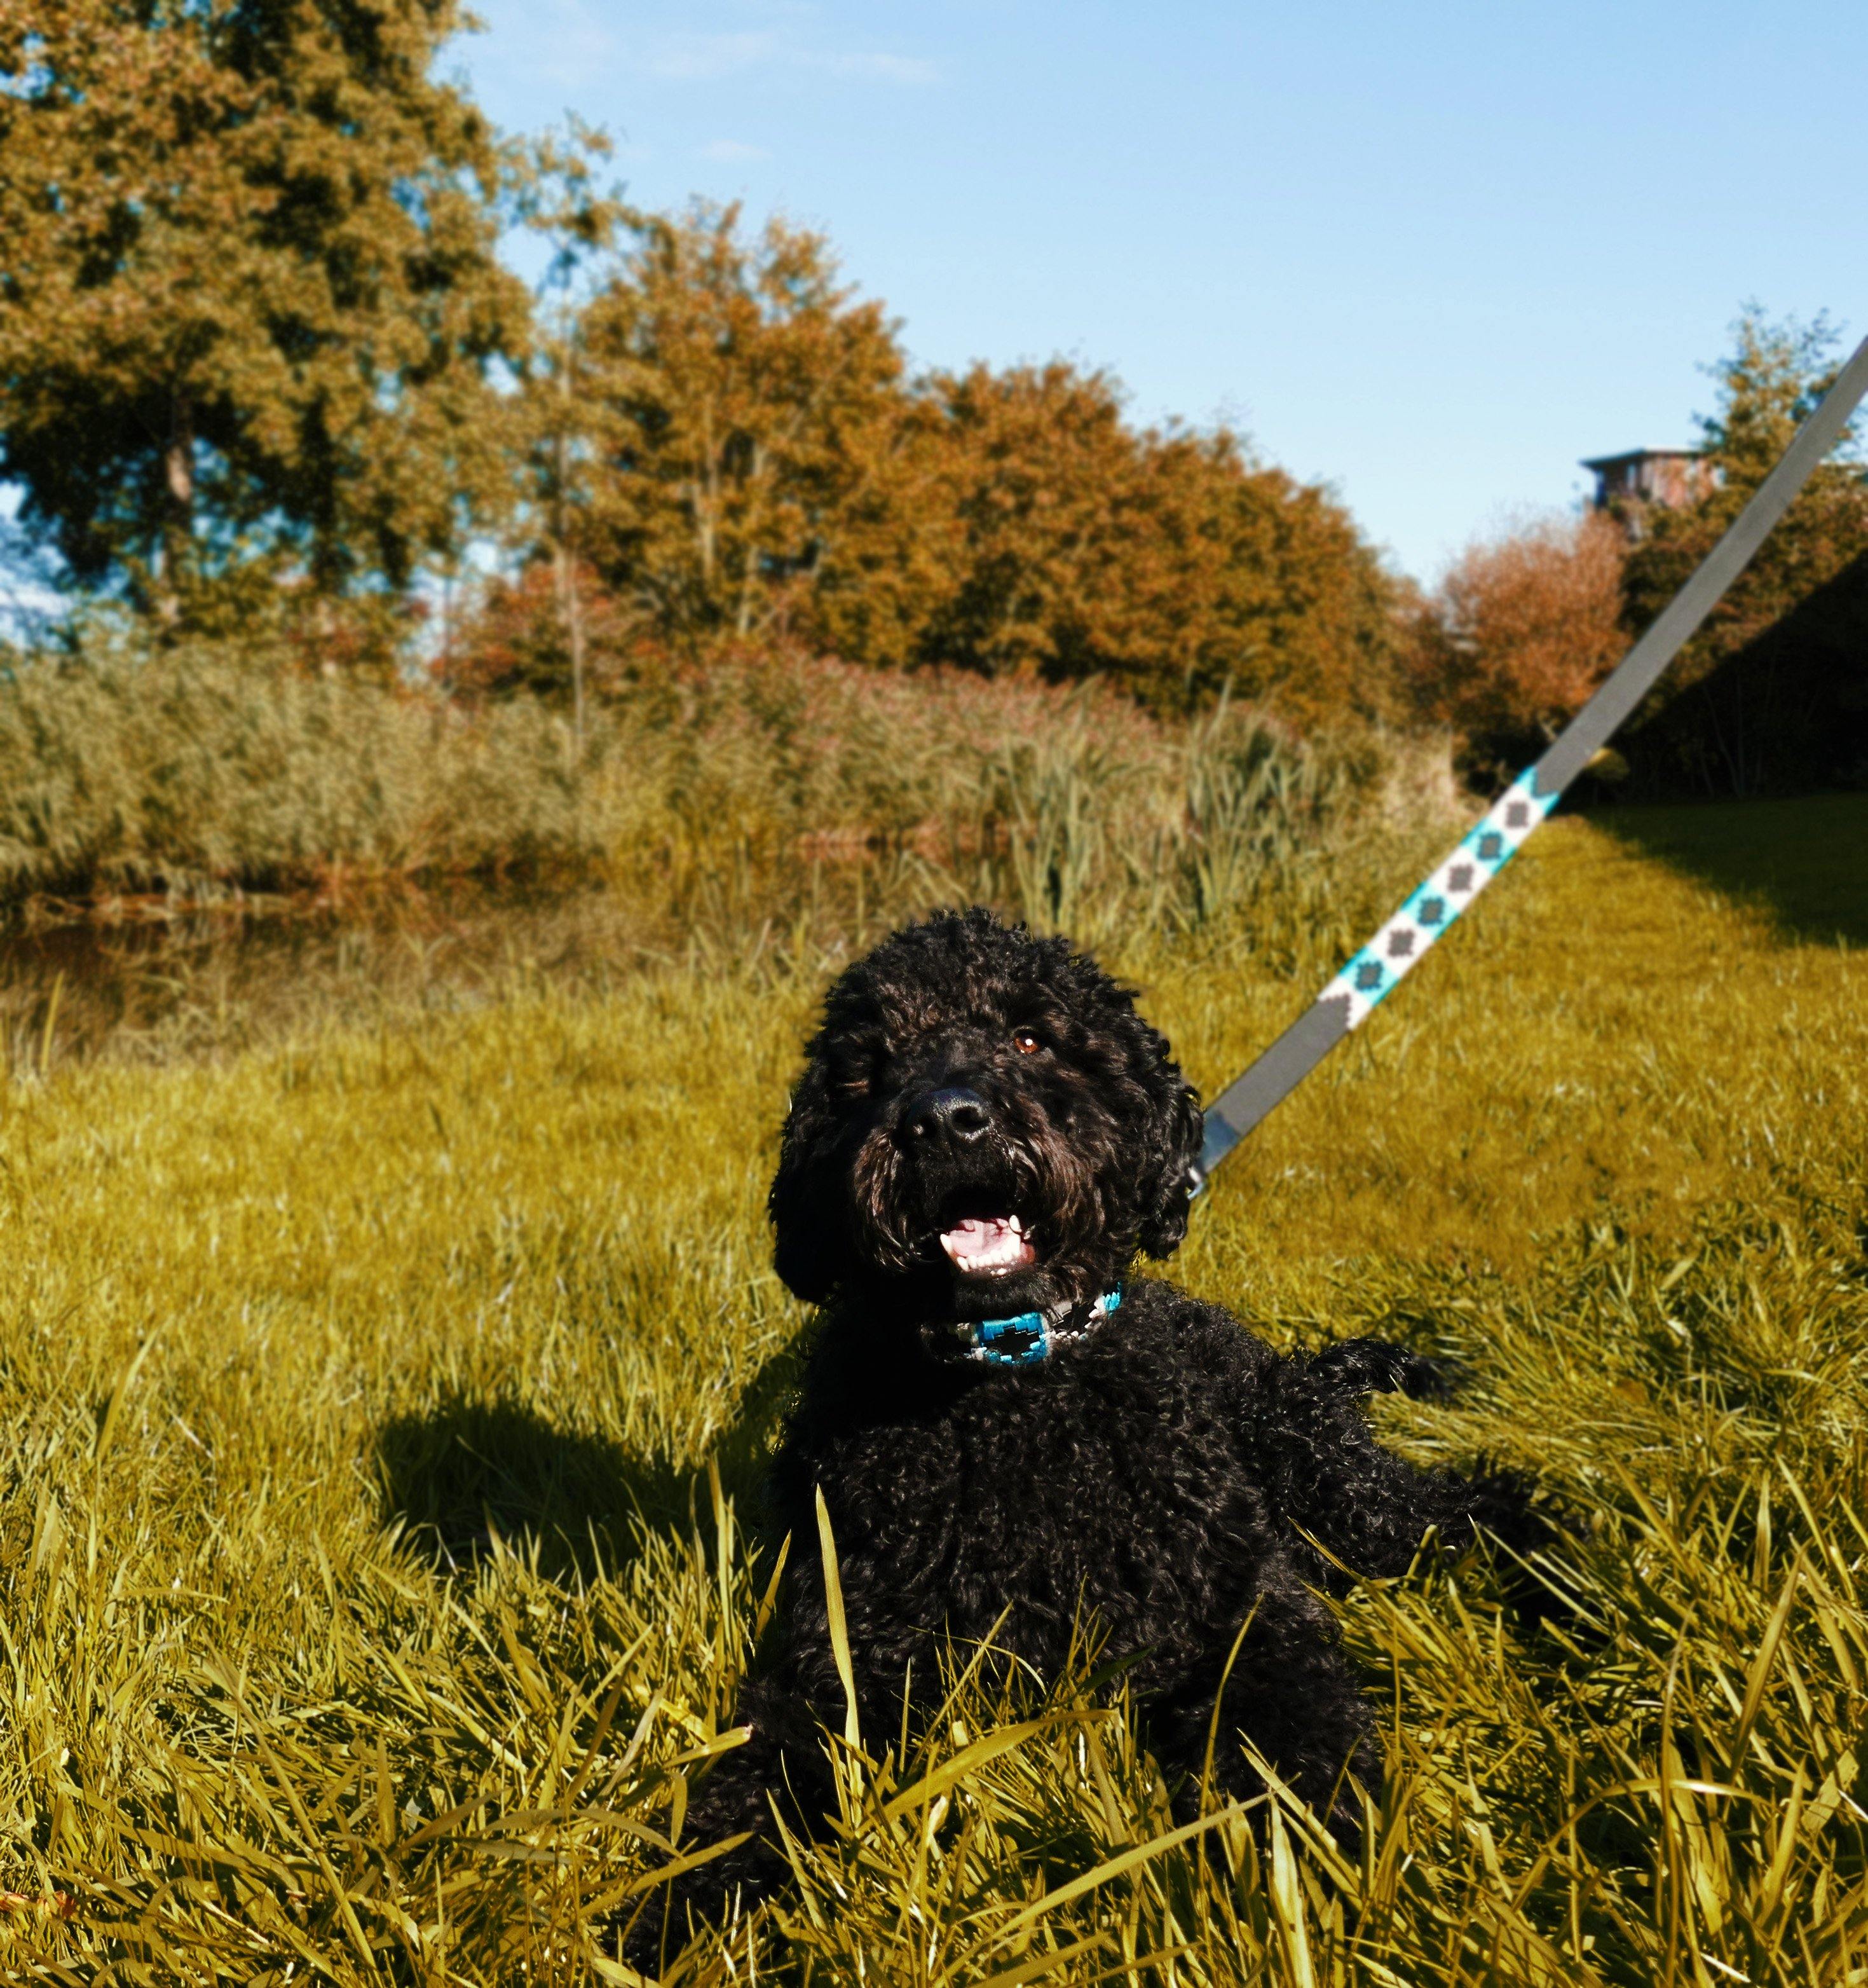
point(145, 982)
point(150, 986)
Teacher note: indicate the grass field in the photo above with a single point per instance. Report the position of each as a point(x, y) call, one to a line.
point(383, 1411)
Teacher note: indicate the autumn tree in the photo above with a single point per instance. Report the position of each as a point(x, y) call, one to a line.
point(1772, 692)
point(1036, 478)
point(1520, 630)
point(1262, 583)
point(250, 310)
point(742, 395)
point(1066, 543)
point(758, 463)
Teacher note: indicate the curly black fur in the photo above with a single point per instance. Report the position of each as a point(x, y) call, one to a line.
point(1160, 1475)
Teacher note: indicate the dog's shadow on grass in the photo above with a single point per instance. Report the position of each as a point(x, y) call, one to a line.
point(474, 1468)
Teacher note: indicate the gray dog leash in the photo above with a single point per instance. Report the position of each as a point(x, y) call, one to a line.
point(1353, 995)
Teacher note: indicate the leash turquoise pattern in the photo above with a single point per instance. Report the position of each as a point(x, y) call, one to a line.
point(1379, 968)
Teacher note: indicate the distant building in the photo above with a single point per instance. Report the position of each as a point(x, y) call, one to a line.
point(1669, 476)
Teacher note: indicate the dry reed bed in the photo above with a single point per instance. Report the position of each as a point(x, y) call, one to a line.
point(200, 771)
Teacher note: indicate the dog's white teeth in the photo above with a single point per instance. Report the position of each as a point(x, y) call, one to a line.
point(996, 1244)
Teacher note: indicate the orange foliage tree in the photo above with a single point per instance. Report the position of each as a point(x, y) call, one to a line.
point(1069, 544)
point(1520, 630)
point(762, 467)
point(519, 635)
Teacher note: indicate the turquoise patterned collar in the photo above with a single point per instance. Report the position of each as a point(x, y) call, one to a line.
point(1030, 1338)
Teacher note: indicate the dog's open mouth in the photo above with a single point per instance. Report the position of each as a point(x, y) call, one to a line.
point(988, 1245)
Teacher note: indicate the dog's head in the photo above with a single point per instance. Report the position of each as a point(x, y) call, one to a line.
point(985, 1126)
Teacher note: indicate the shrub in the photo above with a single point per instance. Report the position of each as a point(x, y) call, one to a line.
point(192, 768)
point(1517, 634)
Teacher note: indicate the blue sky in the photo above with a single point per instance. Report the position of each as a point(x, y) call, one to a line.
point(1431, 253)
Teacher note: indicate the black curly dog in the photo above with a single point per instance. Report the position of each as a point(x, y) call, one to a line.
point(986, 1129)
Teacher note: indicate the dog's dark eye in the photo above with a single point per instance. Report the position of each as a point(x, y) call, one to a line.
point(1025, 1040)
point(856, 1075)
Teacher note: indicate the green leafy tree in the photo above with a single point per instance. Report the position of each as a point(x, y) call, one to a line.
point(251, 317)
point(1773, 691)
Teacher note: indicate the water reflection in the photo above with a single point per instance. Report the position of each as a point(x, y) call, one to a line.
point(153, 987)
point(141, 979)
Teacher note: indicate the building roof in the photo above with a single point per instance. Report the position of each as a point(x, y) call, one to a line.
point(1600, 462)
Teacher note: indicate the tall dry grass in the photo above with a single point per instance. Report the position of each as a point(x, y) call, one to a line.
point(712, 800)
point(198, 771)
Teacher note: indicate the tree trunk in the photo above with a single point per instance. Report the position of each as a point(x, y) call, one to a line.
point(570, 595)
point(571, 614)
point(749, 554)
point(178, 527)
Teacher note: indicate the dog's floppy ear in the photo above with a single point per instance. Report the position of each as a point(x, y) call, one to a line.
point(804, 1217)
point(1180, 1133)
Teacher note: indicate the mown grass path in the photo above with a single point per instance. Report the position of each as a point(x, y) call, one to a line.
point(360, 1591)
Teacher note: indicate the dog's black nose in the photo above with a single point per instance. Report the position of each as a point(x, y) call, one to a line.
point(951, 1116)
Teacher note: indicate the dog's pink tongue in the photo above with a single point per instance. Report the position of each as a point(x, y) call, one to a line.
point(991, 1242)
